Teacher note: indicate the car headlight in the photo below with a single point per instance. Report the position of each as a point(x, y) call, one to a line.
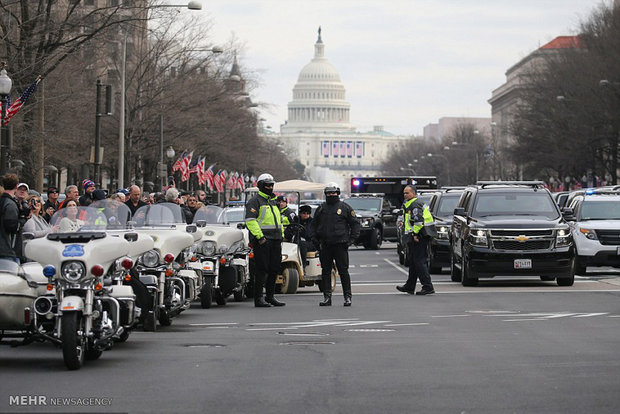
point(366, 222)
point(150, 258)
point(590, 234)
point(479, 238)
point(73, 271)
point(563, 237)
point(442, 232)
point(208, 248)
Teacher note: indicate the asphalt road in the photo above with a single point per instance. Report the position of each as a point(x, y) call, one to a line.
point(507, 346)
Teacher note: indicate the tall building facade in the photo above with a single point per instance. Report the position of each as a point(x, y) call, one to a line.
point(318, 131)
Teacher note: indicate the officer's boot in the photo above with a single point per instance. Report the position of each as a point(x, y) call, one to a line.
point(273, 301)
point(260, 303)
point(327, 300)
point(347, 299)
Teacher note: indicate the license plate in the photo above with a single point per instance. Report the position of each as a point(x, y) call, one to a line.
point(208, 266)
point(523, 263)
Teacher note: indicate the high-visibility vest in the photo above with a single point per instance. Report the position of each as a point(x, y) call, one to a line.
point(417, 215)
point(266, 220)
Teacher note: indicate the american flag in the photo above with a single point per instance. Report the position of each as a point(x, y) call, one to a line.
point(200, 170)
point(232, 181)
point(21, 101)
point(349, 149)
point(343, 150)
point(209, 177)
point(325, 149)
point(335, 147)
point(241, 182)
point(218, 181)
point(359, 149)
point(185, 168)
point(178, 165)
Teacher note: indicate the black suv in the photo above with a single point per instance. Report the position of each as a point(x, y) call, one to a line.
point(510, 229)
point(424, 196)
point(441, 206)
point(377, 218)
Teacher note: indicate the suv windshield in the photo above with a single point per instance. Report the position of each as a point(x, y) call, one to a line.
point(515, 203)
point(600, 210)
point(447, 204)
point(366, 204)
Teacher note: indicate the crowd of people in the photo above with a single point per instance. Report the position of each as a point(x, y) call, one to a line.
point(24, 210)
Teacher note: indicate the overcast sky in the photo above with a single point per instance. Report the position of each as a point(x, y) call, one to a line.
point(404, 63)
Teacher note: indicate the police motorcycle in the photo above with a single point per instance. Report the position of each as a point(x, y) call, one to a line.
point(23, 318)
point(223, 255)
point(124, 284)
point(77, 257)
point(159, 268)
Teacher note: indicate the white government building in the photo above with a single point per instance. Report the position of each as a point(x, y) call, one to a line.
point(319, 134)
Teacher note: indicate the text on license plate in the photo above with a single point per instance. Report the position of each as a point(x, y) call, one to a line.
point(523, 263)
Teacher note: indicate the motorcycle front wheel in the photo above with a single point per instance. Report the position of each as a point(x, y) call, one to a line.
point(73, 340)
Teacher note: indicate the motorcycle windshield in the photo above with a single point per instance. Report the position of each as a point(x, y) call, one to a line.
point(72, 219)
point(117, 213)
point(9, 266)
point(160, 215)
point(209, 214)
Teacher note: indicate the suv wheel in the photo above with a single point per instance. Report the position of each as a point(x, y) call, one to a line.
point(374, 241)
point(468, 278)
point(455, 273)
point(580, 267)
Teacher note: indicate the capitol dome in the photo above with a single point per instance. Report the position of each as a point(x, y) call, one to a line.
point(318, 97)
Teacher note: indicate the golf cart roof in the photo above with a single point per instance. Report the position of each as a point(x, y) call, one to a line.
point(295, 185)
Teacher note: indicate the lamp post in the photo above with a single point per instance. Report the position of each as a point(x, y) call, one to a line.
point(170, 155)
point(431, 155)
point(5, 89)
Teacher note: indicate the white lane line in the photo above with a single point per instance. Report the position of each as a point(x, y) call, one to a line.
point(520, 320)
point(268, 329)
point(214, 323)
point(613, 316)
point(587, 315)
point(397, 267)
point(407, 324)
point(362, 323)
point(447, 316)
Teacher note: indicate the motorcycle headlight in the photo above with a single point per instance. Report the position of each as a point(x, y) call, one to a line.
point(73, 271)
point(238, 245)
point(442, 232)
point(223, 249)
point(208, 248)
point(150, 258)
point(563, 237)
point(479, 238)
point(590, 234)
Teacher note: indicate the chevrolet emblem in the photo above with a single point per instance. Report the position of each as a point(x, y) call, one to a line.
point(522, 238)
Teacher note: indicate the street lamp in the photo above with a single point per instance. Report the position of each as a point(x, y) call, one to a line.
point(430, 155)
point(5, 90)
point(192, 5)
point(170, 155)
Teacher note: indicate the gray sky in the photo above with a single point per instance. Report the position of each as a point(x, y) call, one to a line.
point(404, 63)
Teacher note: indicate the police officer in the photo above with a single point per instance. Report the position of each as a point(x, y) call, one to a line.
point(288, 215)
point(334, 228)
point(264, 222)
point(419, 227)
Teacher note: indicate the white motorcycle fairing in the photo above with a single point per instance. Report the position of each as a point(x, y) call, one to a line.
point(72, 303)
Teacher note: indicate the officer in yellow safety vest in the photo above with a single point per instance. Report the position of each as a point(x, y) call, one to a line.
point(419, 228)
point(264, 222)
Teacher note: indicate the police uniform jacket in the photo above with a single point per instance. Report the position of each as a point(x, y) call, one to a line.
point(335, 223)
point(263, 218)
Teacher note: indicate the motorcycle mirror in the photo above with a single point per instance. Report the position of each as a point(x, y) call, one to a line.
point(201, 223)
point(241, 226)
point(191, 228)
point(131, 237)
point(27, 236)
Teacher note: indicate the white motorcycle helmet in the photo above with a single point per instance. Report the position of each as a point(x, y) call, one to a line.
point(263, 180)
point(332, 188)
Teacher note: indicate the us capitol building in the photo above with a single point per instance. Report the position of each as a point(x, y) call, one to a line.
point(319, 134)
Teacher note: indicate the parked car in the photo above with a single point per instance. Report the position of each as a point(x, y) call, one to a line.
point(442, 206)
point(595, 226)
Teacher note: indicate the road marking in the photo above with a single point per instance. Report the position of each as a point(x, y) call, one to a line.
point(526, 319)
point(214, 323)
point(397, 267)
point(408, 324)
point(362, 323)
point(587, 315)
point(447, 316)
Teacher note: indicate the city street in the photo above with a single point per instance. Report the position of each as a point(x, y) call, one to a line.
point(506, 346)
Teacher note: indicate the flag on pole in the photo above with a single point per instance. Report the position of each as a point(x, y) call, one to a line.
point(209, 177)
point(178, 165)
point(21, 101)
point(218, 182)
point(185, 169)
